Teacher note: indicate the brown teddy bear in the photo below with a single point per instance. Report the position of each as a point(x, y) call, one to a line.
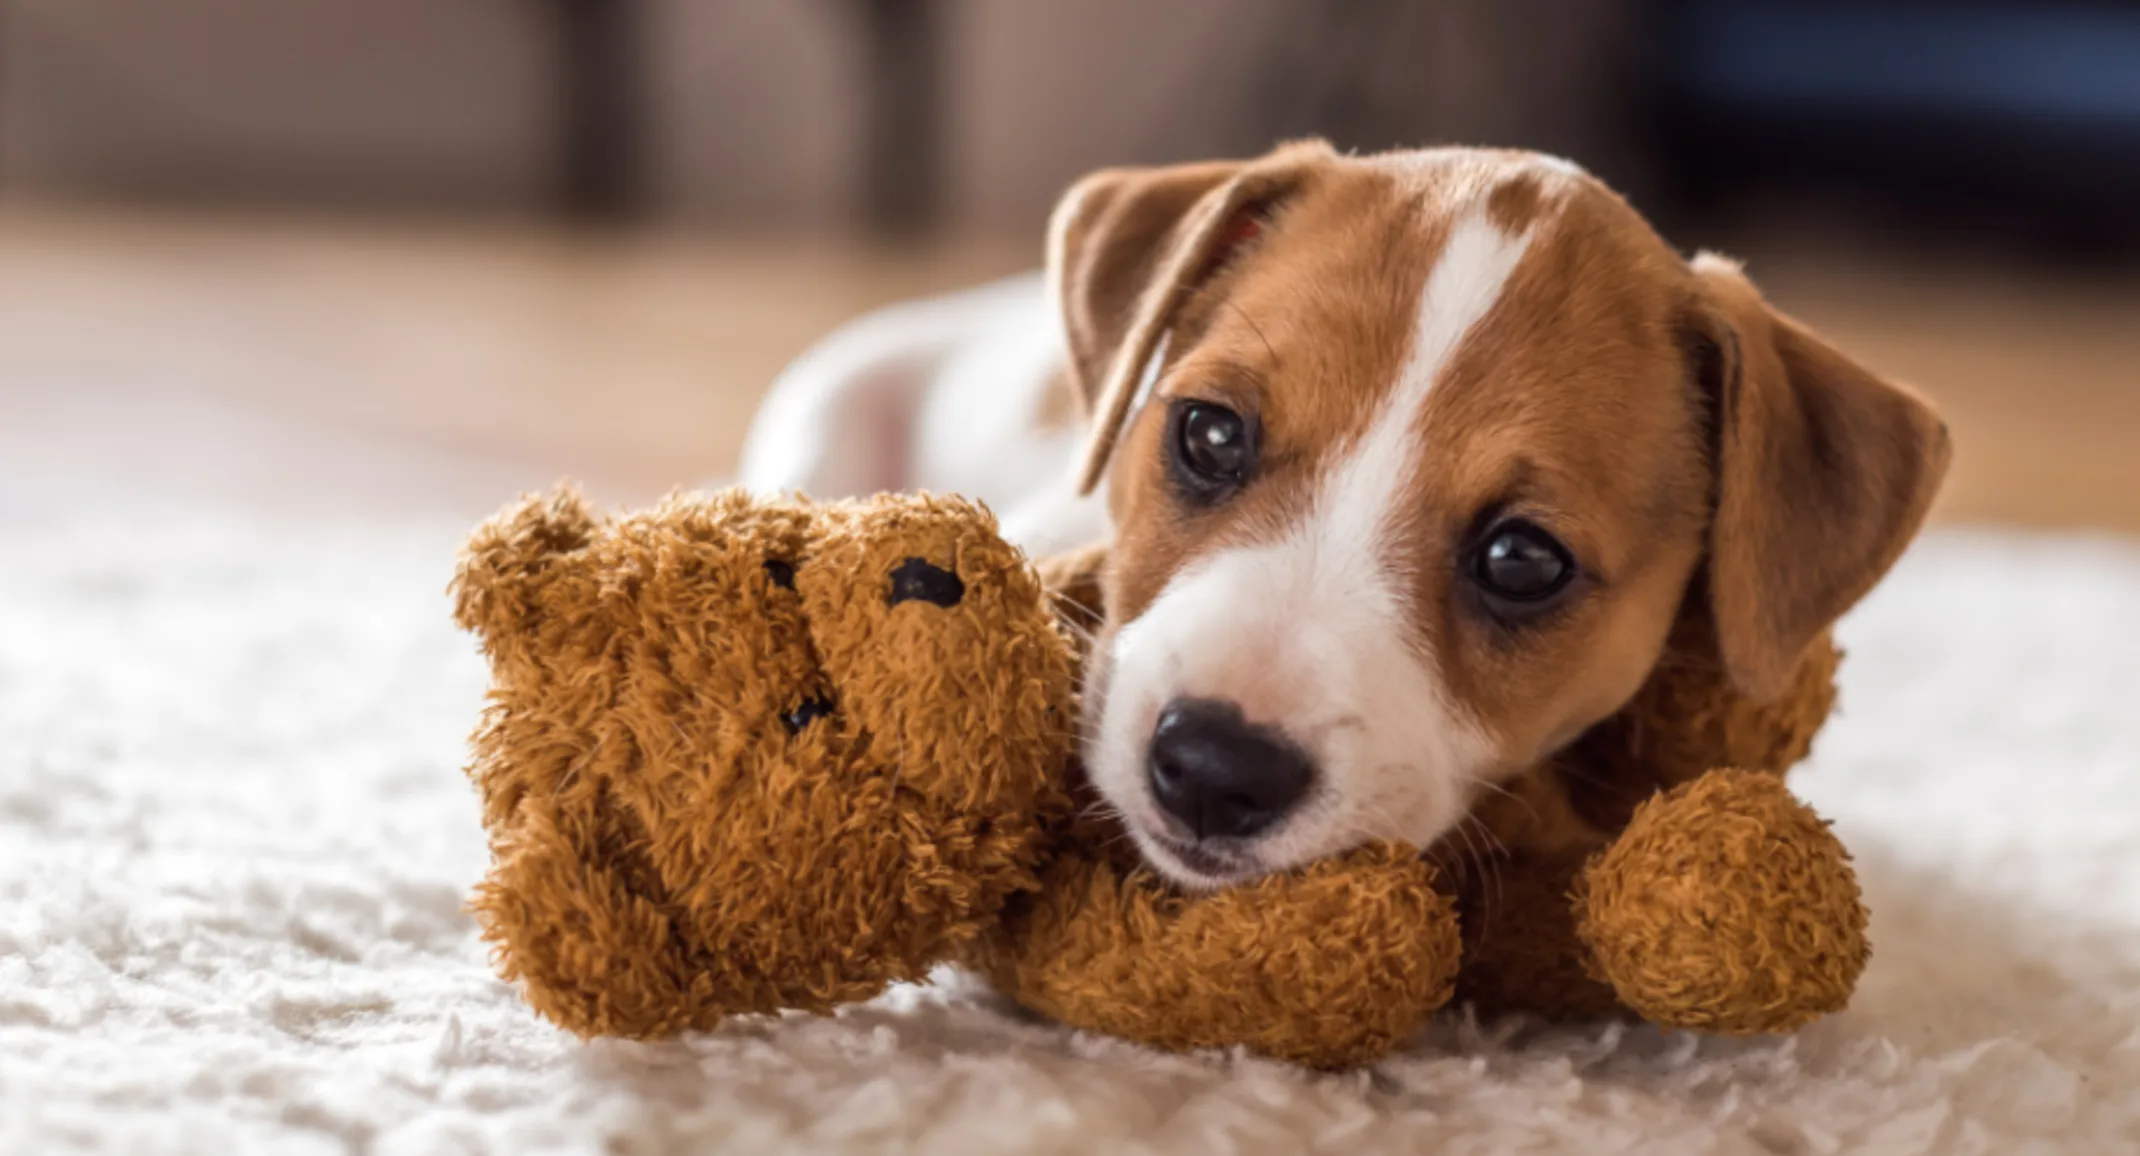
point(744, 756)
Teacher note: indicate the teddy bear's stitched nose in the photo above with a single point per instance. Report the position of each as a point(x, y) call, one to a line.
point(811, 710)
point(915, 579)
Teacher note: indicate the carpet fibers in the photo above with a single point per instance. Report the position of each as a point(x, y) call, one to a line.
point(234, 840)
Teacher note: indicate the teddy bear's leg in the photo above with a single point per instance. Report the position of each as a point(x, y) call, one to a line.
point(1330, 967)
point(585, 941)
point(1726, 905)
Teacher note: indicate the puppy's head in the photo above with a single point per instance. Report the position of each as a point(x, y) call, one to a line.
point(1412, 459)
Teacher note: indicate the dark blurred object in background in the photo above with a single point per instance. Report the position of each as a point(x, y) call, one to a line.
point(2002, 122)
point(382, 276)
point(602, 108)
point(2018, 119)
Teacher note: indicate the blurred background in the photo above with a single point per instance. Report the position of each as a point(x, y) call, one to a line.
point(403, 255)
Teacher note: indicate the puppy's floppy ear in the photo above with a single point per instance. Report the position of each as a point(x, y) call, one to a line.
point(1126, 247)
point(1825, 472)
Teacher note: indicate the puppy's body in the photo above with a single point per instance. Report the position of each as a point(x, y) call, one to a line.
point(963, 393)
point(1408, 464)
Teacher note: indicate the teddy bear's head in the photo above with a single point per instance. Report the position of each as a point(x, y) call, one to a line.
point(744, 754)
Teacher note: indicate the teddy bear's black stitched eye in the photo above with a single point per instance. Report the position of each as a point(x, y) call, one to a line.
point(809, 712)
point(916, 579)
point(782, 573)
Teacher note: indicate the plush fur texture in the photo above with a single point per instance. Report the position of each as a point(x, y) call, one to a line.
point(236, 844)
point(1331, 966)
point(676, 839)
point(1725, 905)
point(744, 756)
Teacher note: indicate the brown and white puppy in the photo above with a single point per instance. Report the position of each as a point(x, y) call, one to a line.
point(1409, 462)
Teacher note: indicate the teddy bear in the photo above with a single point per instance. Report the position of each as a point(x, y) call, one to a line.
point(745, 756)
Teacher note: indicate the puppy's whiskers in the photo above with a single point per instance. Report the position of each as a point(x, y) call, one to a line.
point(1512, 796)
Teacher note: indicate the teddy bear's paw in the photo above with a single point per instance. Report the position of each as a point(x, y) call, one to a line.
point(1726, 905)
point(1331, 966)
point(589, 951)
point(579, 917)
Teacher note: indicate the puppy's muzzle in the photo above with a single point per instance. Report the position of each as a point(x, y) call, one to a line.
point(1219, 776)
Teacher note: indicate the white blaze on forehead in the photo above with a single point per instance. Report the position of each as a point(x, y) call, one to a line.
point(1369, 477)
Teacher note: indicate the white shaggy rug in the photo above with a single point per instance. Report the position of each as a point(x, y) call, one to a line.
point(234, 840)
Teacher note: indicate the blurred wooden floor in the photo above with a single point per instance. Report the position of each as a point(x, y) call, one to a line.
point(421, 367)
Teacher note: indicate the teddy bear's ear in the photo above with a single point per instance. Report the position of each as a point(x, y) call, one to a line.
point(512, 563)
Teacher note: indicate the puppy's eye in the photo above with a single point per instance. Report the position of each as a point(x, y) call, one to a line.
point(1213, 446)
point(1520, 563)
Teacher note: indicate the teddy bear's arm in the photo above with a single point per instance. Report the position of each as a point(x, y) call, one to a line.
point(1330, 967)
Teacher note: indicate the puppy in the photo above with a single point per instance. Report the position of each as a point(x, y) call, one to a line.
point(1406, 462)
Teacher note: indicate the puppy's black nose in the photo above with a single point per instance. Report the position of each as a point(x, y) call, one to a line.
point(1220, 774)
